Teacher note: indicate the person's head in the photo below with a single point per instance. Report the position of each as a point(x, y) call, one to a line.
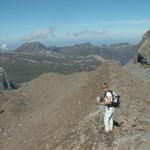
point(105, 87)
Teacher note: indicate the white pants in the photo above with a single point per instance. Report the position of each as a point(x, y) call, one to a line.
point(108, 120)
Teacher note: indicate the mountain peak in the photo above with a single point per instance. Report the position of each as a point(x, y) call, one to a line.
point(32, 48)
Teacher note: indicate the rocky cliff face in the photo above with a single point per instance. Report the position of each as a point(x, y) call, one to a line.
point(4, 82)
point(143, 53)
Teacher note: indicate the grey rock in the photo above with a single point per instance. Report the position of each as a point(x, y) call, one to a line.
point(4, 82)
point(143, 53)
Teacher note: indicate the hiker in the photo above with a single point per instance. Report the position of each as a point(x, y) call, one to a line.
point(107, 101)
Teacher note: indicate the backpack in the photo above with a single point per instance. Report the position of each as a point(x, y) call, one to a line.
point(115, 99)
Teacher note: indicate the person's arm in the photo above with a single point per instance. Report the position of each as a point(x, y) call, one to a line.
point(107, 100)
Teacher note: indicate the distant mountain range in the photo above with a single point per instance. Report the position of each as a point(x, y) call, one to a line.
point(122, 52)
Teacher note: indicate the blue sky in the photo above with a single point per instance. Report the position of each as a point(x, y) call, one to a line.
point(65, 22)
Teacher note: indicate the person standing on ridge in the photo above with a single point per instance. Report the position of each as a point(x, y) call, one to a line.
point(107, 101)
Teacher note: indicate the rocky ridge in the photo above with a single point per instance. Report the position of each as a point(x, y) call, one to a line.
point(59, 112)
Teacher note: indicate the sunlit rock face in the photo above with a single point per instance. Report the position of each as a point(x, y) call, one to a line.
point(143, 53)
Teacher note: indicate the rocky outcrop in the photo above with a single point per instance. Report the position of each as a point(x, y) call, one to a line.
point(143, 53)
point(4, 82)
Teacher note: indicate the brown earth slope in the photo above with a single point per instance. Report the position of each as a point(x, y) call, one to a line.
point(58, 112)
